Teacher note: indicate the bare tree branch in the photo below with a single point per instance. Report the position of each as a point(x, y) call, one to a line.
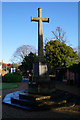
point(21, 52)
point(59, 34)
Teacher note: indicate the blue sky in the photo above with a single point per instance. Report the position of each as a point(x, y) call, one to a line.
point(18, 30)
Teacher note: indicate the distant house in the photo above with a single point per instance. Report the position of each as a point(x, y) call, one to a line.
point(0, 65)
point(0, 68)
point(66, 75)
point(7, 68)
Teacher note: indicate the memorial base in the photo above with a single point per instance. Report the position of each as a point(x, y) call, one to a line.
point(23, 99)
point(42, 79)
point(41, 85)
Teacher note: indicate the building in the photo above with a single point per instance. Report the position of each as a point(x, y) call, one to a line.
point(0, 71)
point(66, 75)
point(5, 68)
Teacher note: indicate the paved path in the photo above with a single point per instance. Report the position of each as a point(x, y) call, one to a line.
point(21, 86)
point(13, 112)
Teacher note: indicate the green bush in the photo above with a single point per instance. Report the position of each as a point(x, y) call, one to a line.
point(12, 78)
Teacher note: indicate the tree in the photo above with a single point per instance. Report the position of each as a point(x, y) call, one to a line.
point(59, 34)
point(21, 52)
point(58, 54)
point(27, 63)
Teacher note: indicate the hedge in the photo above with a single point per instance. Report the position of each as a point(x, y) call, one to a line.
point(12, 78)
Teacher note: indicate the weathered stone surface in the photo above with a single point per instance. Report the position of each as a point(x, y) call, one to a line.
point(39, 19)
point(40, 68)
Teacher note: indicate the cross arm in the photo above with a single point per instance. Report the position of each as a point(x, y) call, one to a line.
point(45, 20)
point(34, 18)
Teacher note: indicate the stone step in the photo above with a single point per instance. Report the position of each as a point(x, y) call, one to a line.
point(33, 97)
point(32, 105)
point(7, 100)
point(27, 96)
point(20, 106)
point(61, 96)
point(26, 103)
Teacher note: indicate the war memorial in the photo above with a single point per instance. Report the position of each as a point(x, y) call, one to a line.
point(41, 92)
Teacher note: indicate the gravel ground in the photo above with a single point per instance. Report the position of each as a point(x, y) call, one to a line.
point(14, 112)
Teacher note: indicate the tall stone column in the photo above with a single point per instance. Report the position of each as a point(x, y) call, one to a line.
point(39, 19)
point(40, 33)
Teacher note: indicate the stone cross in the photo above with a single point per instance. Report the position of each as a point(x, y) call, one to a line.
point(39, 19)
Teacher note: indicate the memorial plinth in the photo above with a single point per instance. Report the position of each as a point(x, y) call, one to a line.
point(41, 76)
point(41, 83)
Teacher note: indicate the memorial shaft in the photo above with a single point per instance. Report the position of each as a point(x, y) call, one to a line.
point(39, 19)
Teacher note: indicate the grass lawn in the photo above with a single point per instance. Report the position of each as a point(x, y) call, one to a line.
point(8, 85)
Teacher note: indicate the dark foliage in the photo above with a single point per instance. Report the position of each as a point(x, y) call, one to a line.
point(12, 78)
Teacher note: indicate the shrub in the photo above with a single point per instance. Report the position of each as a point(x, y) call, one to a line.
point(12, 78)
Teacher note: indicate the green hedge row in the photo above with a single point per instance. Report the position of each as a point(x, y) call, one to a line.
point(12, 78)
